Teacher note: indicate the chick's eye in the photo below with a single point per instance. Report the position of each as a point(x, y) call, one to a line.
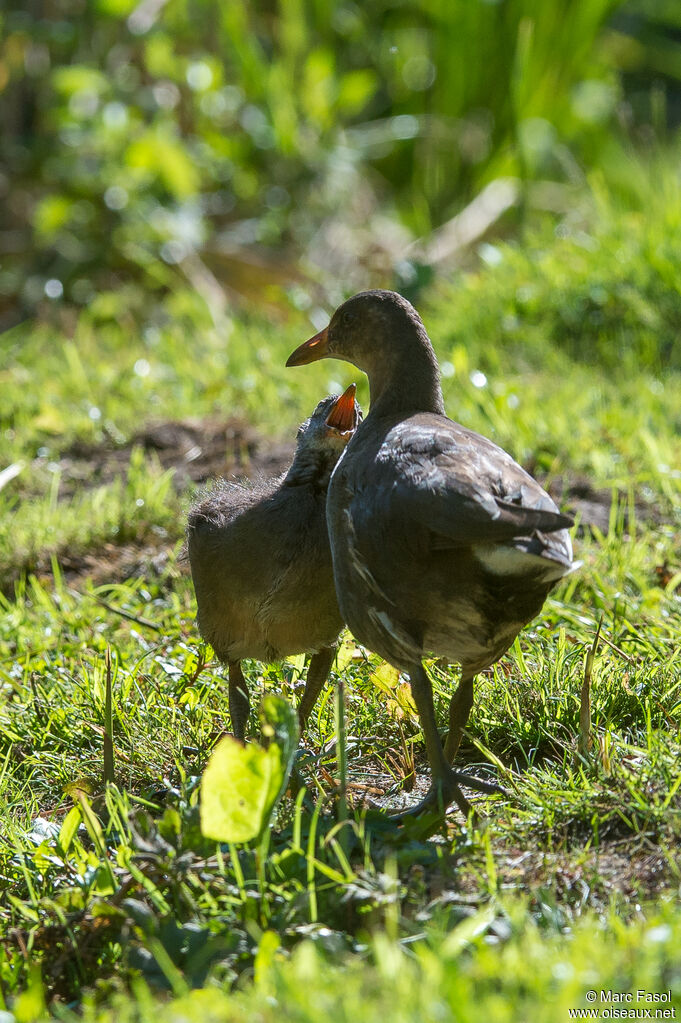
point(347, 318)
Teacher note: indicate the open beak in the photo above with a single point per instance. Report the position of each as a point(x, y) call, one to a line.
point(342, 415)
point(310, 351)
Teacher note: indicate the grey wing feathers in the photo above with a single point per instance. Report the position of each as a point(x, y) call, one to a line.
point(523, 518)
point(463, 487)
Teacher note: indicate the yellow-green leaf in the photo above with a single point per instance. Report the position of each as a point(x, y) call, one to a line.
point(51, 214)
point(69, 828)
point(386, 678)
point(356, 89)
point(242, 784)
point(156, 154)
point(238, 790)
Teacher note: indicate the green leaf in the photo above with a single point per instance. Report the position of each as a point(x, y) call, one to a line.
point(116, 8)
point(238, 790)
point(69, 828)
point(386, 678)
point(157, 154)
point(79, 78)
point(26, 911)
point(51, 214)
point(160, 57)
point(242, 784)
point(265, 958)
point(467, 932)
point(30, 1004)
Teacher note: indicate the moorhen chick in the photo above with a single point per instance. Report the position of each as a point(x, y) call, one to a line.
point(442, 545)
point(261, 562)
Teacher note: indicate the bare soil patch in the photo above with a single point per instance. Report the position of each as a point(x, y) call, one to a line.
point(196, 449)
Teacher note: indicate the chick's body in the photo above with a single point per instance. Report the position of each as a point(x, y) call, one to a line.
point(263, 589)
point(261, 561)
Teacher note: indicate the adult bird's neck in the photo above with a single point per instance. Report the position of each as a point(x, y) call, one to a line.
point(407, 380)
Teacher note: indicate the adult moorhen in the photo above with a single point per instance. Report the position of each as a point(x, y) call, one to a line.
point(261, 562)
point(441, 543)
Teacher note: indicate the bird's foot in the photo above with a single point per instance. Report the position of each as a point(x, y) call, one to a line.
point(489, 788)
point(443, 791)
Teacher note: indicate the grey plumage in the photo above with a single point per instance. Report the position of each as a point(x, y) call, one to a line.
point(461, 545)
point(441, 543)
point(260, 557)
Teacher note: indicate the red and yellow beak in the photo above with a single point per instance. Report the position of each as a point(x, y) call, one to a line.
point(310, 351)
point(342, 415)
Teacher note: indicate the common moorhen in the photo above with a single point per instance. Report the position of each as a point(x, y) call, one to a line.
point(442, 545)
point(261, 562)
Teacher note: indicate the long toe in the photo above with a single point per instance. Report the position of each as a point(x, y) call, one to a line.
point(488, 788)
point(442, 793)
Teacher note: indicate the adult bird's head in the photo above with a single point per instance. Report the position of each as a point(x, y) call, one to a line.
point(383, 335)
point(363, 331)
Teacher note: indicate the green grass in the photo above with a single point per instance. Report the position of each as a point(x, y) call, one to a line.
point(500, 963)
point(112, 899)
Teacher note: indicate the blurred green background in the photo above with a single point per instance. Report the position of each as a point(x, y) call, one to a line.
point(283, 153)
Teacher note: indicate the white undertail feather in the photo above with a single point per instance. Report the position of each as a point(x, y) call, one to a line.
point(505, 559)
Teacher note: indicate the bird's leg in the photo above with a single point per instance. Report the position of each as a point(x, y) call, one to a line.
point(444, 787)
point(239, 702)
point(317, 674)
point(459, 709)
